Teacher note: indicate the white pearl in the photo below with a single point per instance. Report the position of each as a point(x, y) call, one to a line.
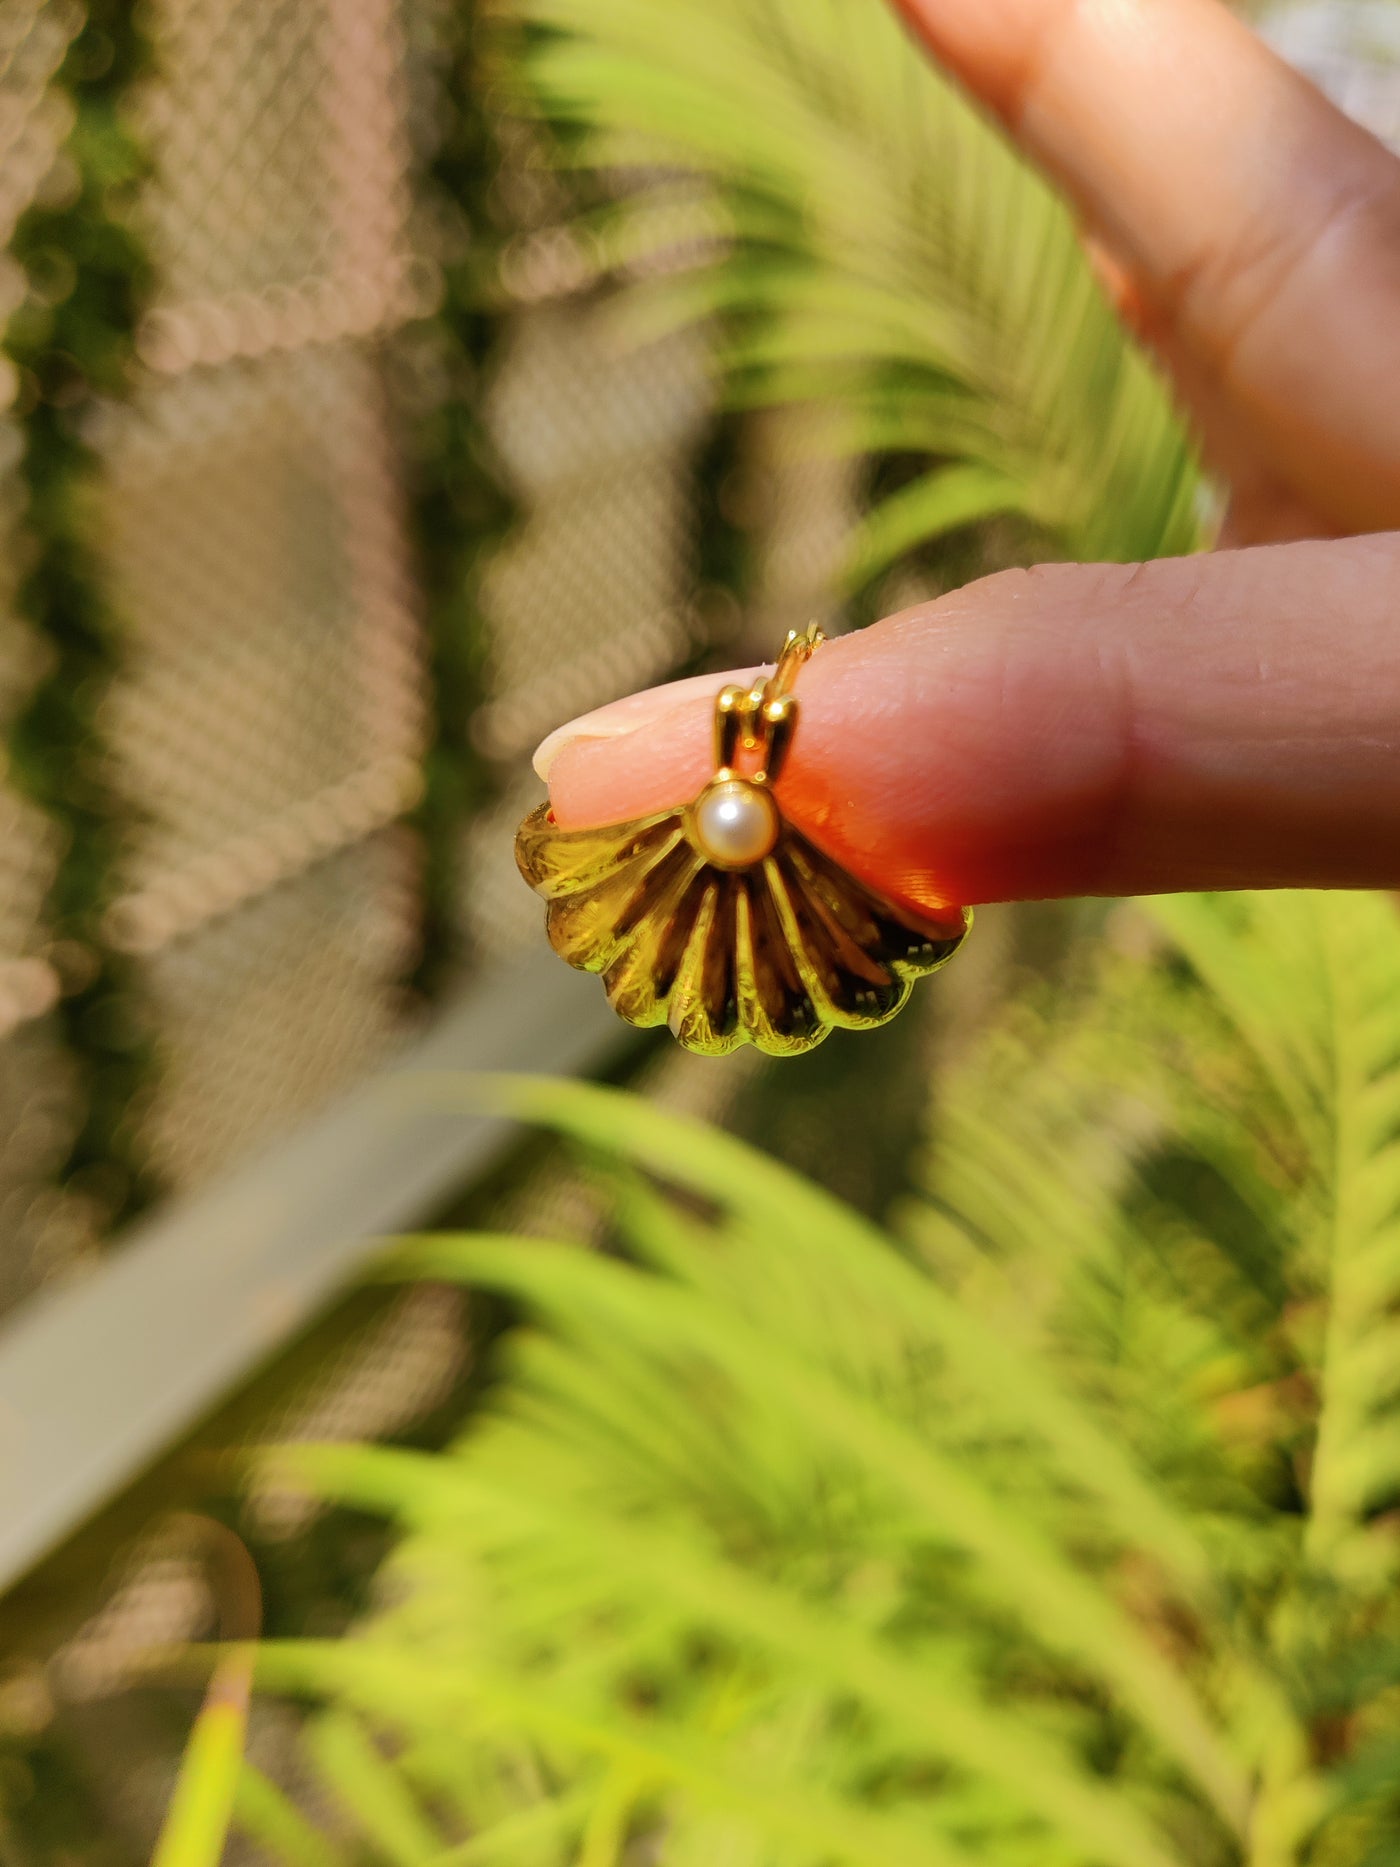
point(736, 824)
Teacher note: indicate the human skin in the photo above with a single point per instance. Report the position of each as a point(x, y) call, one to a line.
point(1223, 721)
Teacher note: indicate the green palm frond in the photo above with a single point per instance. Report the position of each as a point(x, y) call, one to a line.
point(872, 245)
point(1055, 1524)
point(1311, 983)
point(269, 1818)
point(195, 1830)
point(1054, 1529)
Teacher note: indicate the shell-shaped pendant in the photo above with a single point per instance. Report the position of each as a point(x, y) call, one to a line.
point(720, 919)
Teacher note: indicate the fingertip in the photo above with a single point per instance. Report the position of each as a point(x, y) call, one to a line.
point(1219, 721)
point(932, 755)
point(629, 714)
point(649, 761)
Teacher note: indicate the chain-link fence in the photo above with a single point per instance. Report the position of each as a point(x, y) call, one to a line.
point(265, 723)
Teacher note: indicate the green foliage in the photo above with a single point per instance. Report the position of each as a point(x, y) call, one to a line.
point(71, 343)
point(195, 1830)
point(1057, 1527)
point(874, 247)
point(459, 510)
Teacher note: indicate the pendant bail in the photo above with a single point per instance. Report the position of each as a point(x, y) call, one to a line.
point(759, 719)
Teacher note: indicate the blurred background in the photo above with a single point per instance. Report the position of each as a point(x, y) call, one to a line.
point(384, 382)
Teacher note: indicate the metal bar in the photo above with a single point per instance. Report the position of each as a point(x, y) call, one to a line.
point(99, 1377)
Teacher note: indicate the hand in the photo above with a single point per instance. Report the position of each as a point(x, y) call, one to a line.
point(1216, 722)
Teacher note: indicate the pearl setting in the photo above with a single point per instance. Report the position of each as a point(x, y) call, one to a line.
point(734, 823)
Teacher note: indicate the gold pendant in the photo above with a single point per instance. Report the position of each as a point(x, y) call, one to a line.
point(720, 918)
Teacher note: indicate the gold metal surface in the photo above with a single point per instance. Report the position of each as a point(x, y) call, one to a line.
point(776, 951)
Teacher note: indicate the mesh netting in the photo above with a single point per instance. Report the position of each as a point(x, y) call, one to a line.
point(34, 35)
point(279, 213)
point(268, 726)
point(43, 1227)
point(273, 657)
point(593, 594)
point(264, 1011)
point(265, 736)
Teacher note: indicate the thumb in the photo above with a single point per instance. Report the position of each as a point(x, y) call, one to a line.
point(1228, 721)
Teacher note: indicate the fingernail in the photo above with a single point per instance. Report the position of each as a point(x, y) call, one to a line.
point(629, 715)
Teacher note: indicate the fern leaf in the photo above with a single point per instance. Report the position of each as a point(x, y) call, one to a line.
point(276, 1826)
point(1060, 1605)
point(939, 502)
point(881, 246)
point(1028, 1768)
point(196, 1824)
point(366, 1783)
point(1355, 1457)
point(781, 1205)
point(404, 1689)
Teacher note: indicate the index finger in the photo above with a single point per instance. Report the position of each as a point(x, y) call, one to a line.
point(1261, 226)
point(1224, 721)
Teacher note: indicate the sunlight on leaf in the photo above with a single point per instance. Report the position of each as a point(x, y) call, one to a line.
point(871, 243)
point(1051, 1528)
point(197, 1822)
